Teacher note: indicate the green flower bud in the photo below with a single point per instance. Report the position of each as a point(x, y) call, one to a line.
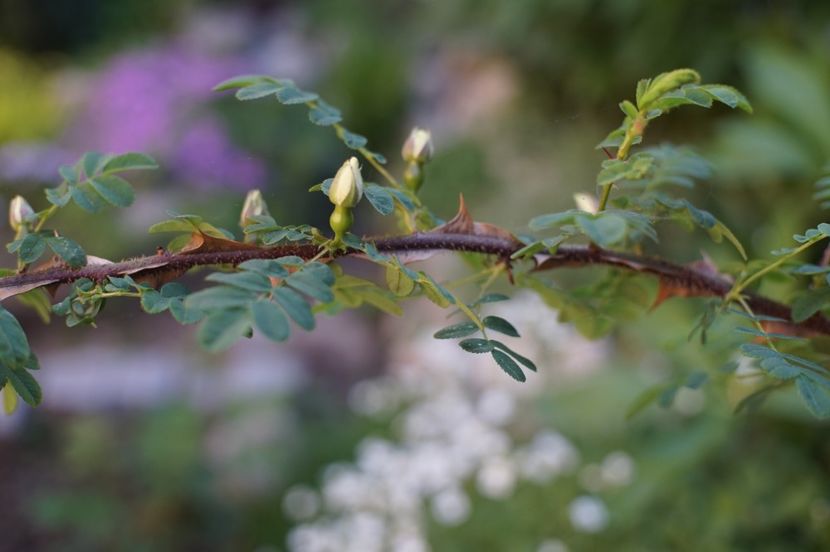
point(418, 146)
point(347, 187)
point(666, 82)
point(254, 206)
point(341, 220)
point(413, 176)
point(20, 212)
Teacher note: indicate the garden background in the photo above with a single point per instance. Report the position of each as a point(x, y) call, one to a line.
point(368, 434)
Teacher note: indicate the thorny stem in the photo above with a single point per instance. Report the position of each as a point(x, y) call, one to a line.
point(565, 257)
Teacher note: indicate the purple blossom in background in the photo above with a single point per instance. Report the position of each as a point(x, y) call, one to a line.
point(206, 159)
point(154, 100)
point(35, 161)
point(149, 101)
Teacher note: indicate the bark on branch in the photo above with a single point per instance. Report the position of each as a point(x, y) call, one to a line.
point(681, 277)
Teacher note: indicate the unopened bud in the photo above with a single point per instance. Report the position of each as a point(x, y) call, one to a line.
point(418, 146)
point(254, 206)
point(341, 220)
point(19, 212)
point(347, 187)
point(666, 82)
point(586, 202)
point(413, 176)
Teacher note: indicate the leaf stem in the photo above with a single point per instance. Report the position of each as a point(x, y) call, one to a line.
point(635, 129)
point(741, 285)
point(628, 141)
point(380, 168)
point(47, 214)
point(603, 200)
point(495, 273)
point(108, 294)
point(757, 322)
point(470, 278)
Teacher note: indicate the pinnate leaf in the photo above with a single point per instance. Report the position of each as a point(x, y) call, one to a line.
point(815, 397)
point(222, 329)
point(270, 320)
point(476, 345)
point(501, 325)
point(456, 330)
point(380, 198)
point(508, 365)
point(130, 161)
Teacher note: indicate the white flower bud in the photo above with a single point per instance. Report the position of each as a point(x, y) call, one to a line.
point(19, 212)
point(254, 206)
point(347, 188)
point(587, 203)
point(418, 146)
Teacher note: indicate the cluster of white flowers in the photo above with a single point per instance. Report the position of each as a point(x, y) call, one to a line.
point(452, 411)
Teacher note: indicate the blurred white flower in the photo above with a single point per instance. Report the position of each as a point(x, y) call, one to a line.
point(357, 532)
point(617, 469)
point(436, 417)
point(312, 538)
point(496, 478)
point(362, 532)
point(496, 406)
point(376, 455)
point(552, 545)
point(431, 468)
point(451, 507)
point(478, 440)
point(548, 456)
point(408, 541)
point(689, 401)
point(565, 351)
point(370, 398)
point(588, 514)
point(455, 411)
point(346, 488)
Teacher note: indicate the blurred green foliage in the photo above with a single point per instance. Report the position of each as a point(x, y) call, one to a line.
point(790, 137)
point(28, 109)
point(46, 26)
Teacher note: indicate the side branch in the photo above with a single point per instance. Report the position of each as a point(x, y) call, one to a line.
point(566, 256)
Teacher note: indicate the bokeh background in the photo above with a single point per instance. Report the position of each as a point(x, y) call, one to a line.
point(368, 434)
